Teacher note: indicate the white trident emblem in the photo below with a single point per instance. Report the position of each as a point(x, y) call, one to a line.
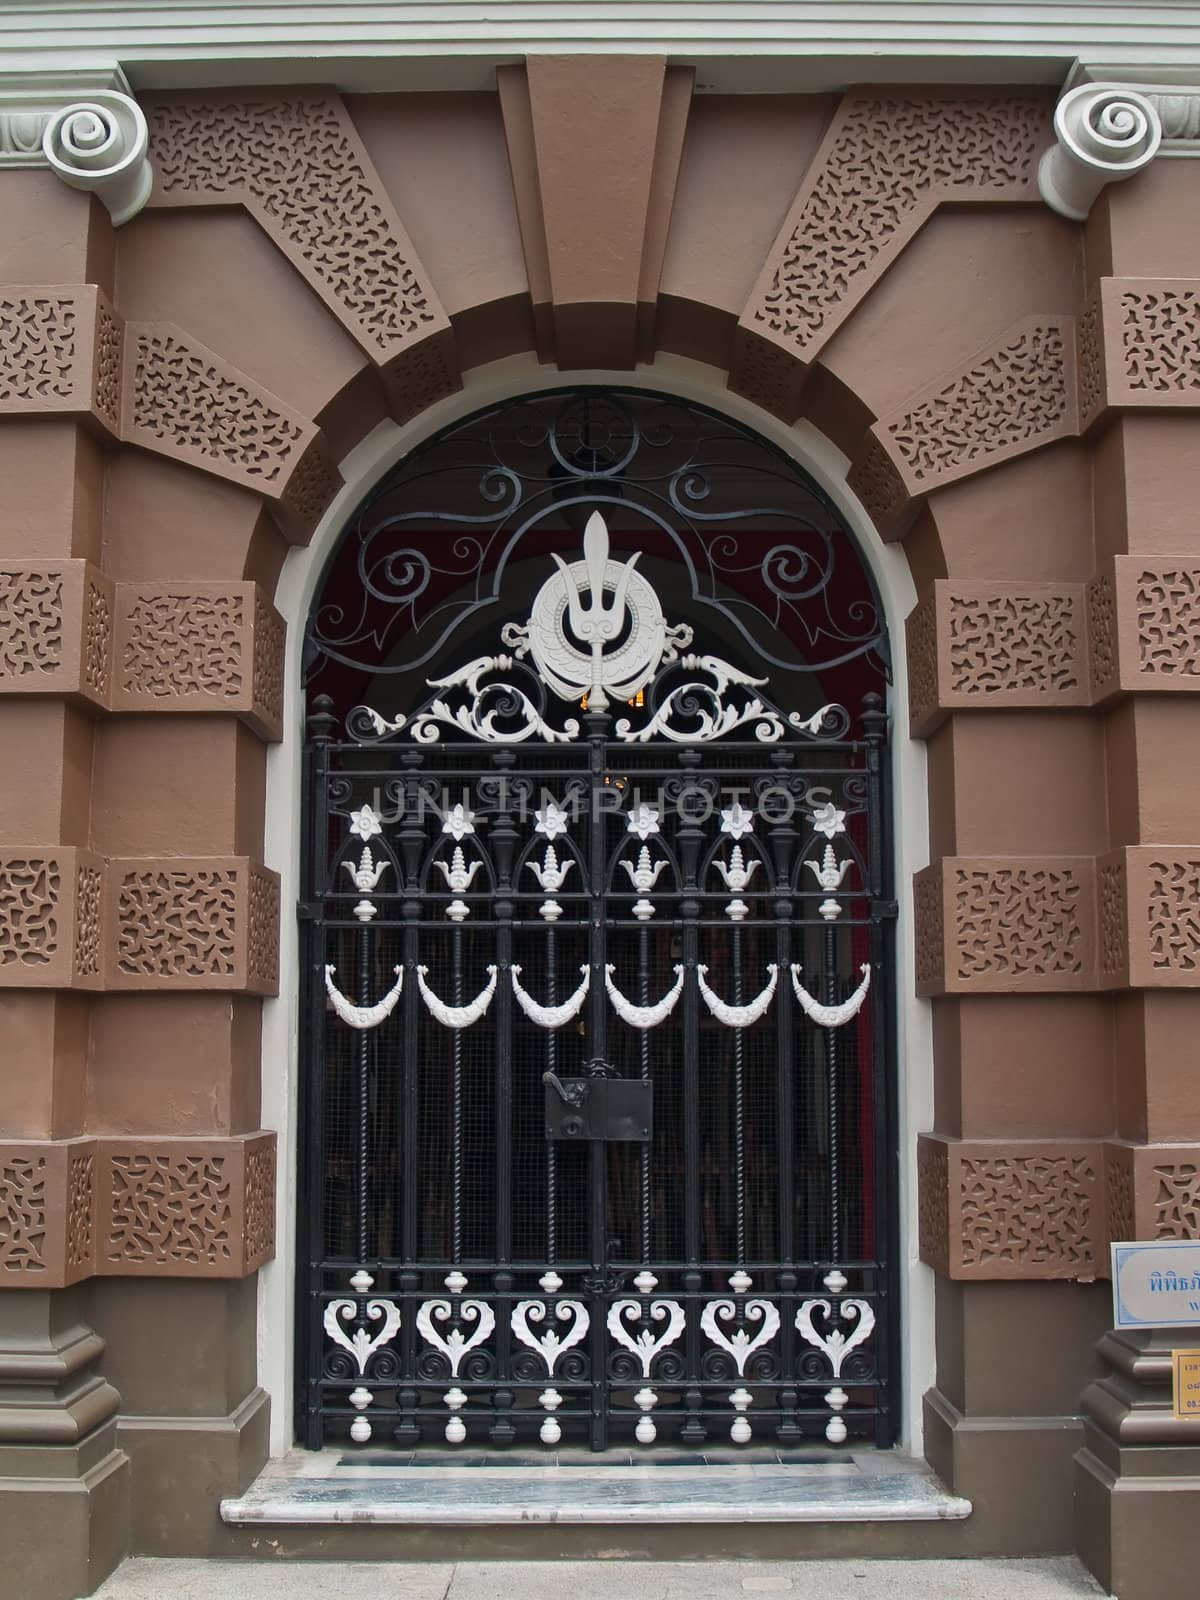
point(598, 600)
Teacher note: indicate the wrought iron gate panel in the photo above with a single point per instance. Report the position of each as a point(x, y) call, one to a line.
point(511, 925)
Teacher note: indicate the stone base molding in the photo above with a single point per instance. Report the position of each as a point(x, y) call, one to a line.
point(76, 1208)
point(1029, 1208)
point(72, 919)
point(1137, 1477)
point(66, 629)
point(65, 351)
point(64, 1480)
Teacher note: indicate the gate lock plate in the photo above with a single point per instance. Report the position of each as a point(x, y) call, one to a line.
point(598, 1108)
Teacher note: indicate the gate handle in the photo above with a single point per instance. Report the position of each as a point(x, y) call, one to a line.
point(573, 1097)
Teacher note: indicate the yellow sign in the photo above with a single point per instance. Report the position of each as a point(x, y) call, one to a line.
point(1185, 1374)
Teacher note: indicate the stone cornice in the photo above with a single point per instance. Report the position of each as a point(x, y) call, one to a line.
point(86, 126)
point(784, 45)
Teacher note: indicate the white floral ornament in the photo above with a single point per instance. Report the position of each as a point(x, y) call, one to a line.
point(736, 820)
point(827, 819)
point(643, 820)
point(459, 821)
point(365, 823)
point(551, 820)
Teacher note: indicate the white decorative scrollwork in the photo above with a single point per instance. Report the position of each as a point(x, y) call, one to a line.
point(362, 1345)
point(644, 1347)
point(551, 874)
point(550, 1345)
point(831, 1016)
point(1103, 132)
point(100, 146)
point(737, 876)
point(738, 1016)
point(363, 1017)
point(550, 1016)
point(643, 1016)
point(836, 1344)
point(457, 1016)
point(739, 1346)
point(455, 1345)
point(486, 707)
point(696, 712)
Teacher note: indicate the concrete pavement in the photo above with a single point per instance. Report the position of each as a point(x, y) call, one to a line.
point(147, 1579)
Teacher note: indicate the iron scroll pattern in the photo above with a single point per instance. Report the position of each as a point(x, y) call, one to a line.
point(484, 914)
point(758, 544)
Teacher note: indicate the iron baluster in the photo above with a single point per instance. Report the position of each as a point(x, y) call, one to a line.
point(504, 839)
point(690, 837)
point(644, 1072)
point(456, 1109)
point(739, 1105)
point(829, 1041)
point(597, 723)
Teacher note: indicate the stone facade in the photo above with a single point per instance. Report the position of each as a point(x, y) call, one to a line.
point(1016, 398)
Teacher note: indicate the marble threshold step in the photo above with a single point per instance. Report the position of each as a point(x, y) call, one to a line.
point(327, 1487)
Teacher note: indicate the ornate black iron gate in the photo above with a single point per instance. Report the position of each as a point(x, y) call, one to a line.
point(599, 1121)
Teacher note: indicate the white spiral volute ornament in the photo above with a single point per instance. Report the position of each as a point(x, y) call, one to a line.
point(1104, 132)
point(100, 145)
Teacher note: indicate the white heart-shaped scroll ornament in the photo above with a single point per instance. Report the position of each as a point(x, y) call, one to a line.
point(740, 1345)
point(837, 1345)
point(644, 1346)
point(361, 1344)
point(550, 1345)
point(455, 1344)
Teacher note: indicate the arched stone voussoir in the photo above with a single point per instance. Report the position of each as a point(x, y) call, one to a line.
point(182, 400)
point(888, 160)
point(294, 159)
point(1015, 395)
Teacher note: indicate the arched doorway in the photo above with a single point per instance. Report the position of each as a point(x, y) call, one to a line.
point(598, 1088)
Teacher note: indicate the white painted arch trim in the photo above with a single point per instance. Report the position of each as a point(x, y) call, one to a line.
point(362, 469)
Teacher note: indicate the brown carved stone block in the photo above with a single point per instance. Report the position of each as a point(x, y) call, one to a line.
point(890, 157)
point(198, 1208)
point(1015, 395)
point(60, 351)
point(1144, 623)
point(1153, 1190)
point(183, 400)
point(47, 1213)
point(200, 647)
point(1162, 889)
point(1027, 1208)
point(294, 159)
point(975, 644)
point(209, 922)
point(1001, 924)
point(52, 903)
point(1140, 345)
point(56, 626)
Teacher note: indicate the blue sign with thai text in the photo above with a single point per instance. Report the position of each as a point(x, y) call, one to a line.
point(1156, 1284)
